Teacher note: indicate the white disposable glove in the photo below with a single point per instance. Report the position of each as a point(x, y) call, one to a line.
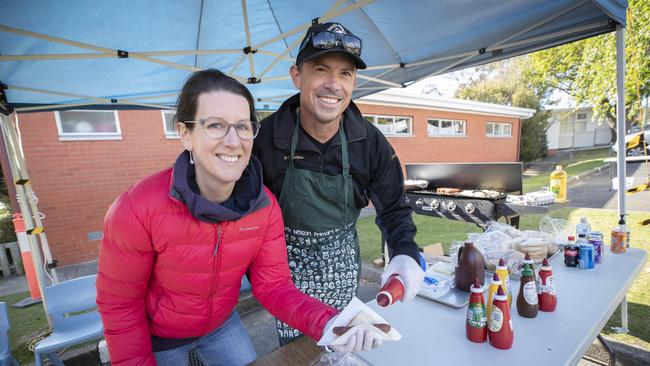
point(410, 271)
point(359, 340)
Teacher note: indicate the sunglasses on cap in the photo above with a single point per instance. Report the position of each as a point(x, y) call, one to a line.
point(326, 40)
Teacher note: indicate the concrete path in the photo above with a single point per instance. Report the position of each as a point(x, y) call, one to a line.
point(594, 191)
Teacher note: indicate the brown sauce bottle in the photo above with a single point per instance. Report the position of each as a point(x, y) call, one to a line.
point(527, 302)
point(471, 265)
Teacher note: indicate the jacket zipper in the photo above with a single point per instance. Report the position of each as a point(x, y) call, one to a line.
point(213, 277)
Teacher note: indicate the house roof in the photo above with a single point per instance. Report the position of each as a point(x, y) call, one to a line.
point(410, 99)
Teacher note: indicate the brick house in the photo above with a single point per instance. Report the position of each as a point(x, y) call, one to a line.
point(80, 161)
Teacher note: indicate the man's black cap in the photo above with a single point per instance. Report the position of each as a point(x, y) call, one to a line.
point(310, 52)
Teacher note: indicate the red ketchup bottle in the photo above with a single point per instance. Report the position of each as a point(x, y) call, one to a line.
point(476, 324)
point(500, 329)
point(392, 291)
point(546, 291)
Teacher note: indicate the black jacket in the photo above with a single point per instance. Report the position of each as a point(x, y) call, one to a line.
point(375, 168)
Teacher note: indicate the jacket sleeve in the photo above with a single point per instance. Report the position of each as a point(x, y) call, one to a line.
point(125, 263)
point(387, 194)
point(272, 286)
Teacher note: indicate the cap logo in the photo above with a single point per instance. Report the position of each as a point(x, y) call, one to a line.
point(337, 28)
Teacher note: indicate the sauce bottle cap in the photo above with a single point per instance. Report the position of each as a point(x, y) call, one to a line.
point(477, 283)
point(496, 277)
point(545, 262)
point(502, 262)
point(527, 257)
point(500, 291)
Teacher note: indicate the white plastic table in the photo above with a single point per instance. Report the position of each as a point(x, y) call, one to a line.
point(434, 334)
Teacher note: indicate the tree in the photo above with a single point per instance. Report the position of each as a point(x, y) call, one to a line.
point(586, 69)
point(503, 82)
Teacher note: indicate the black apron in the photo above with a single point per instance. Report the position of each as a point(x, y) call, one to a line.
point(320, 218)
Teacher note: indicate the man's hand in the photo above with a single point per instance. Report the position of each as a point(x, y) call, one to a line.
point(410, 271)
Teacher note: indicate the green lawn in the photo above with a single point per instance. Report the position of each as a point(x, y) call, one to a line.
point(26, 324)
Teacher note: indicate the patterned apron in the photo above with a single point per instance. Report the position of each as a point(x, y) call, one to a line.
point(322, 244)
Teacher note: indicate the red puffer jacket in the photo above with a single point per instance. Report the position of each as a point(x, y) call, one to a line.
point(163, 272)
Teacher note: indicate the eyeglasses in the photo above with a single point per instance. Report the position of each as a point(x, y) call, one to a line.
point(216, 128)
point(326, 40)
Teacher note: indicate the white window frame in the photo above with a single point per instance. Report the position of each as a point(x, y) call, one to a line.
point(169, 135)
point(582, 122)
point(400, 134)
point(501, 126)
point(431, 119)
point(92, 136)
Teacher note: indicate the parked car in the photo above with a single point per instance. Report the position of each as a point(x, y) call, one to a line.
point(637, 141)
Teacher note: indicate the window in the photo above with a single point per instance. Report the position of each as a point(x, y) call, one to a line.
point(392, 125)
point(88, 125)
point(445, 127)
point(169, 123)
point(498, 129)
point(581, 122)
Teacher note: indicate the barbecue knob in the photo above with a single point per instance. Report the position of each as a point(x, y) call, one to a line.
point(451, 205)
point(419, 202)
point(469, 208)
point(435, 204)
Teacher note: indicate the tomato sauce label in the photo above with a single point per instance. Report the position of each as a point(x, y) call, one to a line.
point(476, 315)
point(496, 319)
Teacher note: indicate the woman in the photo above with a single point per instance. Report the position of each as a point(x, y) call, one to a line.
point(178, 242)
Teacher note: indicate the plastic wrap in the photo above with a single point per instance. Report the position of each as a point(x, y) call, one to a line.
point(338, 359)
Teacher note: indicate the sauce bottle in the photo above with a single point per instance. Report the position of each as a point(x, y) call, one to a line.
point(471, 265)
point(392, 291)
point(476, 324)
point(527, 305)
point(502, 271)
point(558, 183)
point(546, 292)
point(531, 264)
point(494, 286)
point(500, 329)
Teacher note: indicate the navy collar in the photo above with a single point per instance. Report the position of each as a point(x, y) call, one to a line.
point(286, 117)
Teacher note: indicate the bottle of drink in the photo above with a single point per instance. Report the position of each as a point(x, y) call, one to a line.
point(558, 183)
point(392, 291)
point(476, 324)
point(571, 252)
point(583, 227)
point(619, 237)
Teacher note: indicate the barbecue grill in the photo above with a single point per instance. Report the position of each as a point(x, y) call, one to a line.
point(470, 192)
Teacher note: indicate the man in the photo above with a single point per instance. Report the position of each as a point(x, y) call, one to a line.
point(323, 160)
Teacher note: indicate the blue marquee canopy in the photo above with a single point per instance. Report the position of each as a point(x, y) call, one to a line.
point(76, 53)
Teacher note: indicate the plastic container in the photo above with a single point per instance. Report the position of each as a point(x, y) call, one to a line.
point(558, 183)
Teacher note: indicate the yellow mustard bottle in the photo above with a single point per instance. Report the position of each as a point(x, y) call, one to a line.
point(558, 183)
point(504, 276)
point(494, 286)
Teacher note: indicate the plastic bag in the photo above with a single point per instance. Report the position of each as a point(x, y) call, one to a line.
point(513, 259)
point(555, 227)
point(338, 359)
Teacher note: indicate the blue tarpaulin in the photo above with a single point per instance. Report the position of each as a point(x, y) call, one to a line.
point(83, 52)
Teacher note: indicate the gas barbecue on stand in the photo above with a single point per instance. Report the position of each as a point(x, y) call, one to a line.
point(470, 192)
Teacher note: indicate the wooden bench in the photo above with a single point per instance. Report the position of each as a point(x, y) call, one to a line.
point(10, 259)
